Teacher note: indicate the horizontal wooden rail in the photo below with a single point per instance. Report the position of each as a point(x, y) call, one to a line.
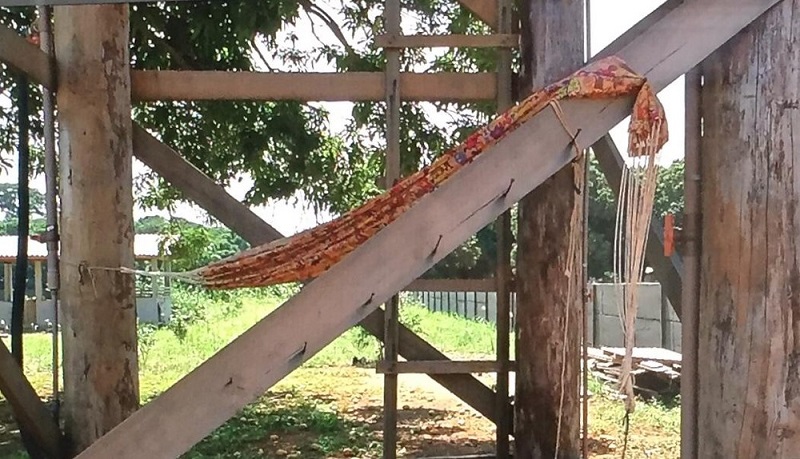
point(442, 367)
point(447, 41)
point(150, 85)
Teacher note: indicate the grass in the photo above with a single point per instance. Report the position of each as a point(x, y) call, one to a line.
point(287, 421)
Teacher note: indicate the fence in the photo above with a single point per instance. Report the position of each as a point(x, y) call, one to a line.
point(656, 322)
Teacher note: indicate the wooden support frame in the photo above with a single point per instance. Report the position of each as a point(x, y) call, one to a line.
point(485, 10)
point(272, 348)
point(238, 217)
point(393, 91)
point(447, 41)
point(443, 367)
point(152, 85)
point(30, 412)
point(503, 272)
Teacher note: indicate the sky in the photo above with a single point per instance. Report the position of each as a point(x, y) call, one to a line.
point(609, 19)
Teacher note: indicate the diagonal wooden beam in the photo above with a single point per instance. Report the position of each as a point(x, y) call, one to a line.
point(198, 187)
point(30, 412)
point(323, 309)
point(427, 232)
point(239, 218)
point(485, 10)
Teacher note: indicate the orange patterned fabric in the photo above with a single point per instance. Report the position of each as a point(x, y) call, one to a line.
point(310, 253)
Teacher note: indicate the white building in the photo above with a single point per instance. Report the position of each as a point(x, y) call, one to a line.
point(153, 301)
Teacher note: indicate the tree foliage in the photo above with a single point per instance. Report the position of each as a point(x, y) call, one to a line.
point(286, 147)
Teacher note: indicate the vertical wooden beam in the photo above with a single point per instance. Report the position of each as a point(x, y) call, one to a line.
point(691, 267)
point(99, 330)
point(392, 25)
point(38, 281)
point(549, 299)
point(749, 325)
point(155, 280)
point(503, 269)
point(8, 279)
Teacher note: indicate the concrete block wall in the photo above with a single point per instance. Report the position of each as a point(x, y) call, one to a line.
point(656, 324)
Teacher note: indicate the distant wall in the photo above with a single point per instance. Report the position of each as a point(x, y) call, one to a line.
point(656, 324)
point(149, 310)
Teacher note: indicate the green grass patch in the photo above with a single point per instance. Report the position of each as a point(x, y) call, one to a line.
point(284, 423)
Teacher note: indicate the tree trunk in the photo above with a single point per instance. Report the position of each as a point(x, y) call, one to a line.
point(552, 48)
point(749, 327)
point(99, 330)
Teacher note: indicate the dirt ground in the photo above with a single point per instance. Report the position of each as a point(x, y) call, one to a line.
point(433, 422)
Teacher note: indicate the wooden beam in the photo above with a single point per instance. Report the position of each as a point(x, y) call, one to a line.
point(276, 345)
point(485, 10)
point(149, 85)
point(474, 197)
point(392, 173)
point(30, 412)
point(466, 387)
point(441, 367)
point(101, 384)
point(241, 219)
point(503, 273)
point(26, 57)
point(198, 187)
point(547, 401)
point(447, 41)
point(668, 270)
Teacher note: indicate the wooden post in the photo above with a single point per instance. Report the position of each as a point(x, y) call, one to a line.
point(99, 329)
point(8, 282)
point(552, 47)
point(155, 280)
point(504, 245)
point(38, 281)
point(392, 173)
point(749, 323)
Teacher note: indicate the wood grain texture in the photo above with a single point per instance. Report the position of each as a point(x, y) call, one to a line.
point(749, 325)
point(101, 373)
point(466, 387)
point(548, 298)
point(431, 367)
point(485, 10)
point(274, 346)
point(447, 41)
point(149, 85)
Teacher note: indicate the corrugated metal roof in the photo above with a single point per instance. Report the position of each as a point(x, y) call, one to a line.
point(144, 246)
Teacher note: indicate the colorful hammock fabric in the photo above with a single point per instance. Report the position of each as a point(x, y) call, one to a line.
point(307, 255)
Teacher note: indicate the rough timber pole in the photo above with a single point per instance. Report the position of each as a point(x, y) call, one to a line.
point(749, 325)
point(552, 47)
point(391, 322)
point(99, 329)
point(504, 245)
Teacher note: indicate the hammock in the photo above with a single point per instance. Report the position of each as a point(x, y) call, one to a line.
point(308, 254)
